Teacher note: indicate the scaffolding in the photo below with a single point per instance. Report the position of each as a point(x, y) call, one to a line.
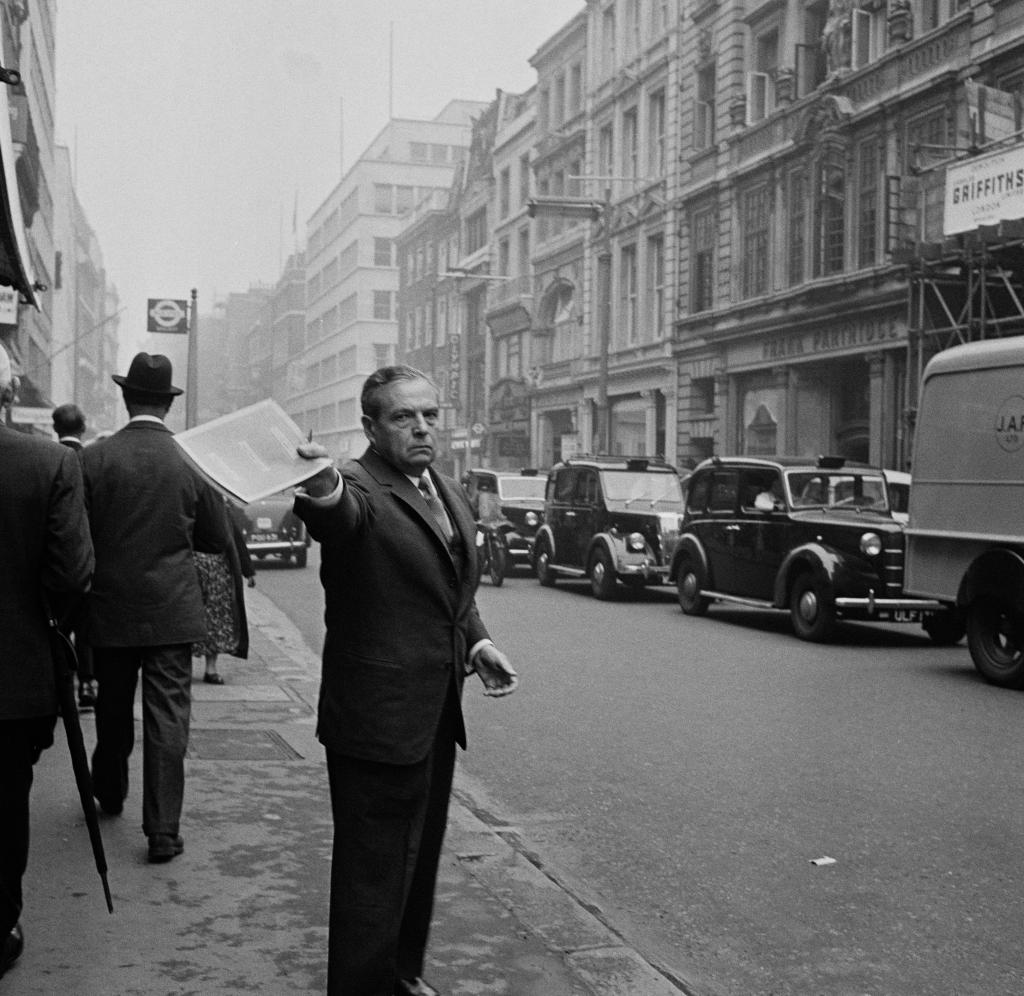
point(963, 290)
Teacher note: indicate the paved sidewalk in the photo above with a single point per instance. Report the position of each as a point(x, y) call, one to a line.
point(244, 910)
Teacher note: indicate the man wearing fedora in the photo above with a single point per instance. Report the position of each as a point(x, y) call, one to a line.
point(149, 508)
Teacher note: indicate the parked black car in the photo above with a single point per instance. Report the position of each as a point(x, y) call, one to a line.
point(815, 537)
point(609, 519)
point(511, 501)
point(271, 528)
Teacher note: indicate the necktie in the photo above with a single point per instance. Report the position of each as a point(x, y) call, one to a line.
point(436, 509)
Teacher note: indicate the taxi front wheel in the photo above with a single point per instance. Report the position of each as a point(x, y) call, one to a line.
point(812, 609)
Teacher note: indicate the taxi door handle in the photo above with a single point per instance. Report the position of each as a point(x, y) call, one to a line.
point(570, 515)
point(732, 529)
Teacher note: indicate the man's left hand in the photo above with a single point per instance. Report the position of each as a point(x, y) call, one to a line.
point(496, 672)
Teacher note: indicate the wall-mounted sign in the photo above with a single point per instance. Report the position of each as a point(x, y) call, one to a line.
point(984, 191)
point(166, 315)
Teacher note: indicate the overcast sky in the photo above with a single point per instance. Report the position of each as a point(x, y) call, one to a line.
point(194, 125)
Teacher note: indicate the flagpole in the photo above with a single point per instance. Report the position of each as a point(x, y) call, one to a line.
point(192, 398)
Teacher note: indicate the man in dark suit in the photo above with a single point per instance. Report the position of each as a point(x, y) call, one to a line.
point(69, 425)
point(47, 564)
point(399, 575)
point(148, 509)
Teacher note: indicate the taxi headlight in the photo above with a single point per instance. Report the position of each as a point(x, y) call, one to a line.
point(871, 544)
point(635, 543)
point(532, 519)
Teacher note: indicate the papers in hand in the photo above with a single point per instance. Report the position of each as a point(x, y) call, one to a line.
point(252, 452)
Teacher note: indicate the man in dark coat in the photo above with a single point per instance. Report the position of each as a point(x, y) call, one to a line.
point(399, 574)
point(148, 509)
point(47, 564)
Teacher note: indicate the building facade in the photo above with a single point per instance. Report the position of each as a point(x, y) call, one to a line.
point(805, 130)
point(351, 273)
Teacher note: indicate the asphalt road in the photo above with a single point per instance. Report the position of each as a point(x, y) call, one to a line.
point(680, 775)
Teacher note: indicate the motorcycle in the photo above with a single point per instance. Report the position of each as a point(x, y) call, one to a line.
point(492, 552)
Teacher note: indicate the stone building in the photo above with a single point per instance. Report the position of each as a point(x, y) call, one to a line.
point(806, 129)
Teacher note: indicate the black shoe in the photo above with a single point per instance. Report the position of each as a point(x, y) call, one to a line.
point(164, 846)
point(87, 696)
point(414, 987)
point(110, 807)
point(10, 950)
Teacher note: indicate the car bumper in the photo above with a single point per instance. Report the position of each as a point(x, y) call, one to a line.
point(651, 572)
point(274, 546)
point(910, 610)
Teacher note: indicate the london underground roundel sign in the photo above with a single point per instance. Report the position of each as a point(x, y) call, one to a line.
point(166, 315)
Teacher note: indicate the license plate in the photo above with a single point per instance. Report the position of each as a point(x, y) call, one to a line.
point(265, 538)
point(906, 616)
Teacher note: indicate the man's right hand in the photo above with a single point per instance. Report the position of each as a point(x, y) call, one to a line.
point(322, 483)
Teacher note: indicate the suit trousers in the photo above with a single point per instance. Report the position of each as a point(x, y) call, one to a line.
point(389, 824)
point(166, 713)
point(22, 740)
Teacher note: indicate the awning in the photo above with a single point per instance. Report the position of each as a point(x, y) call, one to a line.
point(15, 263)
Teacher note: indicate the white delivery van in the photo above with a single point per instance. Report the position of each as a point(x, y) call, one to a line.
point(965, 537)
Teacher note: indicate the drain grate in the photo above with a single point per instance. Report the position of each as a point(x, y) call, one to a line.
point(240, 745)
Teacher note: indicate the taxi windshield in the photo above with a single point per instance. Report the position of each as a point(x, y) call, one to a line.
point(837, 489)
point(635, 486)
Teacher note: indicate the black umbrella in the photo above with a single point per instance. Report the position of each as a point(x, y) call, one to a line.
point(65, 663)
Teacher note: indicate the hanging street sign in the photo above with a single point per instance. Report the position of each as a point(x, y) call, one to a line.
point(167, 315)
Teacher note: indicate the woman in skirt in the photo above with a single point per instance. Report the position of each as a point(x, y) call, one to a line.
point(220, 577)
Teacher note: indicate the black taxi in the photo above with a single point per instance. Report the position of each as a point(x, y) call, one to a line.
point(511, 501)
point(609, 519)
point(816, 537)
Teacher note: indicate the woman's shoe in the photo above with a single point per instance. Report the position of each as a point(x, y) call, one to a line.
point(213, 679)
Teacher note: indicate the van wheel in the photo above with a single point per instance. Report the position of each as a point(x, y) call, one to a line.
point(542, 565)
point(811, 608)
point(995, 637)
point(602, 576)
point(945, 628)
point(689, 582)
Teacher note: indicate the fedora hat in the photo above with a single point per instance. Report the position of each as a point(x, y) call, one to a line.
point(149, 375)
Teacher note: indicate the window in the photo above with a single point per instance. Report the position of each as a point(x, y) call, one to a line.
point(606, 151)
point(558, 114)
point(656, 286)
point(543, 109)
point(381, 354)
point(724, 491)
point(504, 192)
point(524, 179)
point(797, 227)
point(703, 252)
point(867, 203)
point(439, 153)
point(702, 395)
point(829, 215)
point(476, 230)
point(575, 90)
point(405, 199)
point(348, 310)
point(704, 109)
point(418, 151)
point(811, 62)
point(629, 143)
point(633, 25)
point(628, 294)
point(382, 193)
point(382, 305)
point(659, 18)
point(866, 33)
point(608, 40)
point(754, 261)
point(503, 254)
point(524, 252)
point(761, 80)
point(575, 187)
point(656, 133)
point(936, 12)
point(383, 252)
